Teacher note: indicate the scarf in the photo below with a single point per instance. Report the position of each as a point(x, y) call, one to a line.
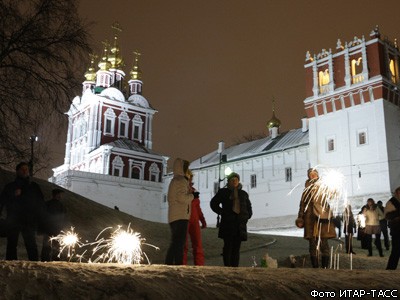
point(236, 201)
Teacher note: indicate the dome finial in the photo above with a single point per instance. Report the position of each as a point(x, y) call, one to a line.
point(90, 74)
point(136, 73)
point(114, 58)
point(274, 122)
point(104, 64)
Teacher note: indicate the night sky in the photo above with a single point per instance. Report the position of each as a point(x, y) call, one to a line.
point(212, 67)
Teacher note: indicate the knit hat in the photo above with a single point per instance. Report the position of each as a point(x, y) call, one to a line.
point(232, 175)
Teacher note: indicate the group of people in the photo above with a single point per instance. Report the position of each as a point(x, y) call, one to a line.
point(28, 214)
point(316, 217)
point(184, 217)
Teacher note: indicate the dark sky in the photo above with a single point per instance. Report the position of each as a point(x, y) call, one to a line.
point(212, 67)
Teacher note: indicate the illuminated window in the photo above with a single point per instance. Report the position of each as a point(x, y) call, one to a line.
point(253, 181)
point(288, 174)
point(324, 80)
point(356, 70)
point(324, 77)
point(392, 67)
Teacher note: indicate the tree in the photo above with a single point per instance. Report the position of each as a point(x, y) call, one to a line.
point(252, 136)
point(42, 46)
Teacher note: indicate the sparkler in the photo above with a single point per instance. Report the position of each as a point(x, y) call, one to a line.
point(124, 246)
point(69, 240)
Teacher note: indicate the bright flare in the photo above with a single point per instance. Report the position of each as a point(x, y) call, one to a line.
point(124, 246)
point(69, 240)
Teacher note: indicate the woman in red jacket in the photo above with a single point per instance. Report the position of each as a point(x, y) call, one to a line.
point(194, 231)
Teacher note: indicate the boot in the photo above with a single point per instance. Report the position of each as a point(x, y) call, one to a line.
point(378, 245)
point(325, 262)
point(314, 262)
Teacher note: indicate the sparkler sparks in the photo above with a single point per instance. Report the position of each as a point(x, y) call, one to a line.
point(69, 240)
point(123, 246)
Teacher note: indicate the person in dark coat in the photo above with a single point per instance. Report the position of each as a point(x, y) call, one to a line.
point(384, 225)
point(234, 206)
point(392, 214)
point(54, 222)
point(24, 203)
point(349, 226)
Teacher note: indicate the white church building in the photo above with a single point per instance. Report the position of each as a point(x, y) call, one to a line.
point(108, 153)
point(352, 124)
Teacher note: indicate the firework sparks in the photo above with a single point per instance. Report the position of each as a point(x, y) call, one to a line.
point(329, 191)
point(67, 240)
point(124, 246)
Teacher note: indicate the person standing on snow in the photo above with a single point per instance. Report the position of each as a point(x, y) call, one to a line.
point(180, 196)
point(24, 203)
point(234, 206)
point(315, 210)
point(194, 230)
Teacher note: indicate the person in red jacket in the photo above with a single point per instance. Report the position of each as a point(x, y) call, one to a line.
point(194, 231)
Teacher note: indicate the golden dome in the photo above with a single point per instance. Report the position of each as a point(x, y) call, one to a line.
point(273, 122)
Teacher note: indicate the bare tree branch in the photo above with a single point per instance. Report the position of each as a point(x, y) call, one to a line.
point(43, 51)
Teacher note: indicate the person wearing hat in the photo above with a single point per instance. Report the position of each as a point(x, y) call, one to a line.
point(180, 196)
point(306, 218)
point(234, 206)
point(315, 216)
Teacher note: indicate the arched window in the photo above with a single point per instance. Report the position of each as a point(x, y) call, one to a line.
point(323, 80)
point(393, 70)
point(324, 77)
point(154, 172)
point(123, 124)
point(356, 70)
point(117, 166)
point(137, 128)
point(136, 169)
point(109, 122)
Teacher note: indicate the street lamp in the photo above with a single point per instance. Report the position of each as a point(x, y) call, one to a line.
point(34, 138)
point(222, 159)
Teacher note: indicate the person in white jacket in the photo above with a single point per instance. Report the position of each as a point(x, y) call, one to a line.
point(372, 216)
point(180, 196)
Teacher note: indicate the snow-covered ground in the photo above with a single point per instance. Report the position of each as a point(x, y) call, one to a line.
point(290, 231)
